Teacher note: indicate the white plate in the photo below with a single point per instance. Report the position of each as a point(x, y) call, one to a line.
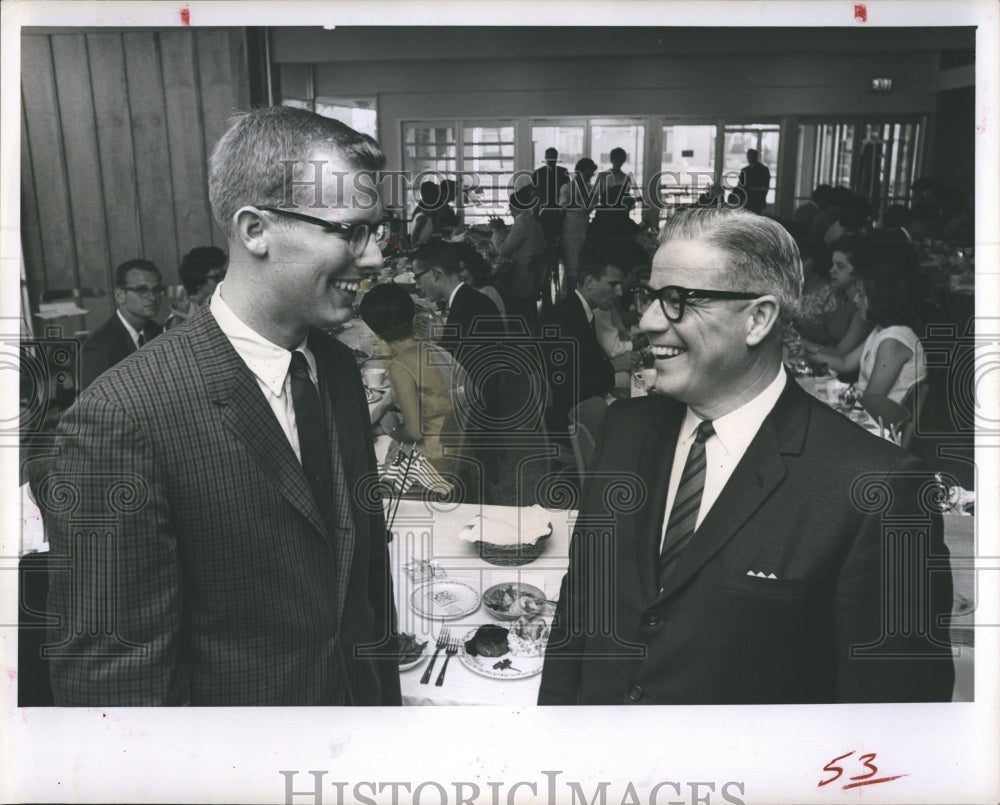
point(515, 611)
point(519, 667)
point(406, 666)
point(444, 600)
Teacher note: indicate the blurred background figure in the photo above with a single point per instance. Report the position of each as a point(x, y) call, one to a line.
point(576, 198)
point(754, 182)
point(201, 271)
point(426, 381)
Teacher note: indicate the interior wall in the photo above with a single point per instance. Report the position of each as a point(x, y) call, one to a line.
point(116, 130)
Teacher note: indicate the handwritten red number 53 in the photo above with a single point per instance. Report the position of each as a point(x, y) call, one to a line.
point(867, 778)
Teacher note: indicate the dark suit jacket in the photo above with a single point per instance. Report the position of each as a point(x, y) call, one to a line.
point(574, 377)
point(107, 345)
point(832, 511)
point(228, 589)
point(470, 310)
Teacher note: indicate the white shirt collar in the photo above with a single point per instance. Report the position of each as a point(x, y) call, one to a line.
point(738, 428)
point(133, 333)
point(587, 309)
point(454, 291)
point(265, 359)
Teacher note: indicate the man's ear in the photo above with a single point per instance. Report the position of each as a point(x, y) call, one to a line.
point(253, 230)
point(119, 297)
point(762, 318)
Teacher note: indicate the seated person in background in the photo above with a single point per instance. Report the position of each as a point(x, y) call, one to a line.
point(844, 328)
point(138, 291)
point(425, 217)
point(588, 372)
point(852, 219)
point(202, 269)
point(818, 297)
point(895, 224)
point(891, 360)
point(612, 324)
point(475, 270)
point(437, 269)
point(523, 248)
point(426, 381)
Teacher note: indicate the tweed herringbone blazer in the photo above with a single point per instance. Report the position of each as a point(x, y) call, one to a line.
point(196, 568)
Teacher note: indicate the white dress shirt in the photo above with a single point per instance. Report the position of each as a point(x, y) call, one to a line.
point(268, 362)
point(133, 333)
point(723, 450)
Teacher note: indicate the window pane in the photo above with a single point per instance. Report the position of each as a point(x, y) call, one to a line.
point(487, 170)
point(567, 140)
point(687, 163)
point(738, 139)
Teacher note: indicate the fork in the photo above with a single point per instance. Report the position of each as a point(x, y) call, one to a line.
point(442, 642)
point(450, 651)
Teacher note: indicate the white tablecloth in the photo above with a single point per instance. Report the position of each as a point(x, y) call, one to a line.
point(425, 532)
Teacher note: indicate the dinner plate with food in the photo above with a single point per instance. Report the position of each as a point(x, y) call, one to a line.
point(499, 652)
point(513, 600)
point(411, 651)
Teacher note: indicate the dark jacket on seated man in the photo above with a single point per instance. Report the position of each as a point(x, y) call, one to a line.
point(137, 298)
point(585, 370)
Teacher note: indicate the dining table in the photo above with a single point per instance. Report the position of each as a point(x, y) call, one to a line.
point(430, 559)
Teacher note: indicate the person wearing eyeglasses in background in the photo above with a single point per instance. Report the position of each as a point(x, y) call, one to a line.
point(232, 454)
point(138, 293)
point(735, 541)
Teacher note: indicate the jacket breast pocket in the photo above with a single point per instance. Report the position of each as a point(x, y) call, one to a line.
point(775, 589)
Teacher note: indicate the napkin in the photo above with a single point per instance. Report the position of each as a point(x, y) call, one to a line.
point(499, 525)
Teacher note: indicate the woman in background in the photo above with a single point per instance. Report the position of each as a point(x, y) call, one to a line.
point(844, 328)
point(201, 271)
point(426, 382)
point(890, 362)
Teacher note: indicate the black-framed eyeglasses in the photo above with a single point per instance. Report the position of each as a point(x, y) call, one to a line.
point(418, 274)
point(673, 298)
point(145, 291)
point(357, 234)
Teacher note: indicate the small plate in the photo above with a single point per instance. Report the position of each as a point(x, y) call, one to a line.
point(511, 592)
point(406, 666)
point(518, 667)
point(444, 600)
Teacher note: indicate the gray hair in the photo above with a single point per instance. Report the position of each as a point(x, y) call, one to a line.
point(762, 255)
point(250, 163)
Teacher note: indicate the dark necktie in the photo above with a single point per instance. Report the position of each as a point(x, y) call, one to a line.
point(687, 502)
point(142, 339)
point(313, 444)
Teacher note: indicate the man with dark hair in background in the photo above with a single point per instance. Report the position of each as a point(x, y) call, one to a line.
point(138, 292)
point(245, 567)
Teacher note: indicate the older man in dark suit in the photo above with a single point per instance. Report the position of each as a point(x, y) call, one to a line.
point(238, 557)
point(739, 541)
point(138, 292)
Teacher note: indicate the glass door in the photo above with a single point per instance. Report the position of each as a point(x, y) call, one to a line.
point(738, 139)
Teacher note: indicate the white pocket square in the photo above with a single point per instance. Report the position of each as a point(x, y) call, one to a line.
point(761, 574)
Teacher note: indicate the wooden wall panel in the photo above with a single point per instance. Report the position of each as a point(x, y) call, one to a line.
point(152, 152)
point(117, 127)
point(219, 53)
point(41, 110)
point(83, 175)
point(185, 134)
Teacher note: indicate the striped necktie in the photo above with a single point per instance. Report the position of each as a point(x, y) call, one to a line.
point(687, 502)
point(141, 340)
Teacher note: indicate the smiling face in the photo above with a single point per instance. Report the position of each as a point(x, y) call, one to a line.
point(704, 360)
point(314, 275)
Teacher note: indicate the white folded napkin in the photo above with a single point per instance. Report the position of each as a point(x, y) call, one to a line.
point(502, 525)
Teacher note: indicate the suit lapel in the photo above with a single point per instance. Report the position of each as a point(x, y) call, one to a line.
point(349, 440)
point(756, 477)
point(124, 345)
point(247, 415)
point(654, 463)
